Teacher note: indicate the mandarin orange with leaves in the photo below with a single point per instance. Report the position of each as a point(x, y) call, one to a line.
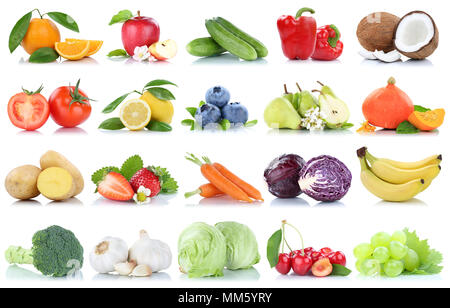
point(41, 33)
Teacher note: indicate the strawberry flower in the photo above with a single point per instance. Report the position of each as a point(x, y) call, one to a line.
point(141, 54)
point(142, 196)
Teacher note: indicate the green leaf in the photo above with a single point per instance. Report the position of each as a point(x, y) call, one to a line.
point(64, 20)
point(187, 122)
point(192, 111)
point(44, 55)
point(201, 103)
point(339, 270)
point(225, 124)
point(161, 93)
point(18, 31)
point(99, 175)
point(112, 106)
point(112, 124)
point(122, 16)
point(407, 128)
point(131, 166)
point(159, 82)
point(421, 109)
point(118, 53)
point(251, 123)
point(430, 259)
point(346, 126)
point(168, 184)
point(157, 126)
point(273, 248)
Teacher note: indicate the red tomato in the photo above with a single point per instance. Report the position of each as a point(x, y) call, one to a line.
point(28, 110)
point(69, 106)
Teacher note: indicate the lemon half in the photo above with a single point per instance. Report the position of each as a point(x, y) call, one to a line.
point(135, 114)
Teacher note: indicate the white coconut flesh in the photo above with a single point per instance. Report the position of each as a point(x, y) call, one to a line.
point(389, 57)
point(414, 32)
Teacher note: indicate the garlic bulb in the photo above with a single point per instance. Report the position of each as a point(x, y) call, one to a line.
point(154, 253)
point(109, 252)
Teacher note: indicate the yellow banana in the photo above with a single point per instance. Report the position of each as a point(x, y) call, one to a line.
point(388, 191)
point(432, 160)
point(394, 175)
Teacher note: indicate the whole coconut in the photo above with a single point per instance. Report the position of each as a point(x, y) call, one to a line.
point(376, 31)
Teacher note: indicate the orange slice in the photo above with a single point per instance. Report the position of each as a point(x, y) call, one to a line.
point(73, 50)
point(94, 45)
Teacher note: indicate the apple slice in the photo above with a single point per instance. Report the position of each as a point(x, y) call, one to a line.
point(164, 50)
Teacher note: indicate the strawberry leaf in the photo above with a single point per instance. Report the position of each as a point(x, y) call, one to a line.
point(131, 166)
point(100, 174)
point(168, 184)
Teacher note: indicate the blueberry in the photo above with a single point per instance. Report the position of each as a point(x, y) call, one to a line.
point(217, 96)
point(235, 113)
point(207, 114)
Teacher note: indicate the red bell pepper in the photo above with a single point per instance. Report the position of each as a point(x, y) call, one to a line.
point(328, 45)
point(298, 35)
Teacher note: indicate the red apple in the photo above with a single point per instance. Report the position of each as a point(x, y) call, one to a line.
point(164, 50)
point(139, 31)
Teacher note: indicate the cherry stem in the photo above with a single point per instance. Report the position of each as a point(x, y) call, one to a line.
point(301, 237)
point(283, 228)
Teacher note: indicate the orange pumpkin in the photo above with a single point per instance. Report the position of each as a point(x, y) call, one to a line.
point(428, 120)
point(387, 107)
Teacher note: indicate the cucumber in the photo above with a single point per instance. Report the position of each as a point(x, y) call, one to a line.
point(204, 47)
point(261, 50)
point(230, 42)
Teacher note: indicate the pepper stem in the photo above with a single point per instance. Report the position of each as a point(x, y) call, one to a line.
point(392, 81)
point(304, 10)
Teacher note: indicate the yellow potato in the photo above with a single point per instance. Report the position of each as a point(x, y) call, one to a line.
point(21, 183)
point(54, 159)
point(56, 184)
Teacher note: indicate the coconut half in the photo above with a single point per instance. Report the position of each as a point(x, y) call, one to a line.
point(416, 35)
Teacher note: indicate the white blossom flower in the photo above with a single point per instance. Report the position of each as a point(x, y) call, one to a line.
point(142, 196)
point(314, 120)
point(141, 54)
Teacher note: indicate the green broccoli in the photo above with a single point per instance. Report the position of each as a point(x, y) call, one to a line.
point(56, 251)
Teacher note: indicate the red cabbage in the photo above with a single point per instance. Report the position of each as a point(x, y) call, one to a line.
point(283, 174)
point(325, 179)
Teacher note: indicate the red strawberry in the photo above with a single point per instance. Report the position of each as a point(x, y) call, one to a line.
point(148, 179)
point(115, 187)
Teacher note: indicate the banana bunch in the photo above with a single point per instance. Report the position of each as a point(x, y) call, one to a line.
point(397, 181)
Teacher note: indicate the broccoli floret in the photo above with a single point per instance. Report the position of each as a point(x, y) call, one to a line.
point(56, 251)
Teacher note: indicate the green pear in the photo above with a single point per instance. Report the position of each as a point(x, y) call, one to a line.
point(334, 111)
point(307, 101)
point(326, 90)
point(281, 114)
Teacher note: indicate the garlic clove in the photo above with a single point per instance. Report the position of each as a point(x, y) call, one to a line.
point(142, 271)
point(125, 268)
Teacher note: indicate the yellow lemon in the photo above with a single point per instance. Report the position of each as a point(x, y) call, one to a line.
point(135, 114)
point(162, 111)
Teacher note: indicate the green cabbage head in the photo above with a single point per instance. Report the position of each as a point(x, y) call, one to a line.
point(242, 247)
point(202, 251)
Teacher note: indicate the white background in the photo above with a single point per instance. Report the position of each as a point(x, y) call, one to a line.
point(247, 152)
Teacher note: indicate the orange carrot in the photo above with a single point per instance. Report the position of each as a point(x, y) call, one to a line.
point(206, 191)
point(217, 179)
point(251, 191)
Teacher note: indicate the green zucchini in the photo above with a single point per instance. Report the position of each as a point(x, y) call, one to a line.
point(230, 42)
point(204, 47)
point(261, 50)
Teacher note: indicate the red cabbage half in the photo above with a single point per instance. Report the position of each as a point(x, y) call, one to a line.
point(325, 179)
point(282, 176)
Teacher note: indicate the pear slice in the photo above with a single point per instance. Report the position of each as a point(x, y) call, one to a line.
point(281, 114)
point(334, 111)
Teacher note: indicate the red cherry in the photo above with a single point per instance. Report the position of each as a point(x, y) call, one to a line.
point(338, 257)
point(316, 256)
point(301, 264)
point(326, 250)
point(308, 251)
point(284, 264)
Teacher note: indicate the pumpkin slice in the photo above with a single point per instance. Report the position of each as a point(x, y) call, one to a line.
point(73, 50)
point(93, 48)
point(427, 121)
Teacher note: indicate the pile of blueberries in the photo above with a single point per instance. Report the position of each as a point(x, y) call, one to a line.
point(218, 108)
